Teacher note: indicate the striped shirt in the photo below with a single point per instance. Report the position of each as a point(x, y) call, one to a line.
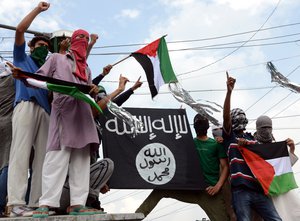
point(240, 174)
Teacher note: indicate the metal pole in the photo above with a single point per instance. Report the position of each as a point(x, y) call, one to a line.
point(36, 33)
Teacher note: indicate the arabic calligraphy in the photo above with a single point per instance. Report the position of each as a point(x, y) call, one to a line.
point(173, 124)
point(156, 163)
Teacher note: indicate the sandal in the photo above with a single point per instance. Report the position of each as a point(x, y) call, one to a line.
point(81, 210)
point(96, 211)
point(41, 212)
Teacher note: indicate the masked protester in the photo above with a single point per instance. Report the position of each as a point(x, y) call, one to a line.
point(264, 129)
point(247, 193)
point(30, 121)
point(39, 48)
point(238, 119)
point(72, 133)
point(287, 204)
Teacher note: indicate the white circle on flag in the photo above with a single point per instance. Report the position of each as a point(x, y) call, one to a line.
point(156, 163)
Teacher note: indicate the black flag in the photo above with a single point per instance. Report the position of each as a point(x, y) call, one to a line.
point(161, 156)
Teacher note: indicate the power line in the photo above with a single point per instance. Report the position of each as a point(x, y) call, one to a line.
point(229, 70)
point(125, 196)
point(210, 90)
point(282, 117)
point(110, 194)
point(214, 46)
point(202, 39)
point(285, 108)
point(269, 91)
point(242, 67)
point(228, 47)
point(181, 209)
point(280, 128)
point(287, 116)
point(186, 41)
point(253, 120)
point(220, 59)
point(231, 35)
point(205, 47)
point(277, 103)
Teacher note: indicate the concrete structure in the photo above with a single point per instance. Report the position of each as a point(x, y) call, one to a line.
point(98, 217)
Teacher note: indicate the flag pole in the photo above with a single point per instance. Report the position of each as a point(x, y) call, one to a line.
point(129, 56)
point(121, 60)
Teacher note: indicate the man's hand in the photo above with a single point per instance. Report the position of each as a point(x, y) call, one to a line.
point(242, 142)
point(64, 45)
point(94, 90)
point(94, 38)
point(291, 144)
point(104, 189)
point(230, 82)
point(137, 84)
point(122, 83)
point(106, 69)
point(219, 140)
point(212, 190)
point(43, 6)
point(16, 72)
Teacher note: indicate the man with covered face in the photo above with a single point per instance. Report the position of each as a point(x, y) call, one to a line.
point(30, 120)
point(287, 204)
point(247, 193)
point(72, 132)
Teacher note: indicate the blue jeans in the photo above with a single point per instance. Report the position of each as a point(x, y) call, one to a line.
point(3, 188)
point(244, 200)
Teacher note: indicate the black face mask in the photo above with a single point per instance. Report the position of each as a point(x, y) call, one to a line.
point(264, 135)
point(39, 55)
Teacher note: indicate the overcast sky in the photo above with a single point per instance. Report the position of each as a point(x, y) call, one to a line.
point(238, 36)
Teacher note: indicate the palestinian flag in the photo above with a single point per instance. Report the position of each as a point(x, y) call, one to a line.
point(81, 87)
point(271, 165)
point(155, 61)
point(78, 91)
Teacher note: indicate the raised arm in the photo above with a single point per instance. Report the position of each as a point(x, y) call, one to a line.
point(226, 109)
point(26, 22)
point(293, 156)
point(137, 84)
point(105, 72)
point(119, 100)
point(64, 46)
point(122, 83)
point(94, 38)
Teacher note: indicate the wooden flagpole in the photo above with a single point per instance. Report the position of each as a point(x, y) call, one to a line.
point(121, 60)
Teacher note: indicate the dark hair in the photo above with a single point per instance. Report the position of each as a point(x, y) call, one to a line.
point(39, 38)
point(201, 124)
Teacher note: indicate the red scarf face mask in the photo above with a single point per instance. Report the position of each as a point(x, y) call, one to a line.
point(79, 49)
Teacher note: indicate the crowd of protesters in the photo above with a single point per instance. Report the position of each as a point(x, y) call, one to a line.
point(57, 137)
